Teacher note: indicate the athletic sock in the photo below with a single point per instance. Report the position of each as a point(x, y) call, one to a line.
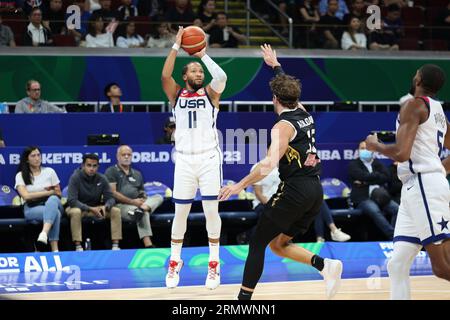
point(214, 251)
point(245, 295)
point(317, 262)
point(175, 250)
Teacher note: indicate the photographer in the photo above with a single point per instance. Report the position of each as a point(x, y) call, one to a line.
point(90, 195)
point(368, 177)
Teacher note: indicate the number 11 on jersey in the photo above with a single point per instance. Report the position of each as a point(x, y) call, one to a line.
point(192, 119)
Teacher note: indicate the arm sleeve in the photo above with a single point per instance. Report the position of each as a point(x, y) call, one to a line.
point(107, 194)
point(278, 70)
point(54, 180)
point(346, 41)
point(19, 107)
point(355, 172)
point(121, 42)
point(219, 77)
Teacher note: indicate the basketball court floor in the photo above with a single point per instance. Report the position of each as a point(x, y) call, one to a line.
point(363, 279)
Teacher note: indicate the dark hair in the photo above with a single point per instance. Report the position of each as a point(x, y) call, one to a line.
point(91, 156)
point(108, 88)
point(201, 5)
point(35, 9)
point(91, 24)
point(122, 29)
point(433, 77)
point(350, 31)
point(186, 67)
point(286, 89)
point(24, 166)
point(222, 13)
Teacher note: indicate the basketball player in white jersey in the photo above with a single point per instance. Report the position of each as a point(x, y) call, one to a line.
point(423, 217)
point(198, 156)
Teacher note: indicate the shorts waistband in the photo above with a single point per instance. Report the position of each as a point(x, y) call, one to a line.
point(196, 153)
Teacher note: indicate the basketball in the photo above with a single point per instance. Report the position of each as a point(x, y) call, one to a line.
point(194, 39)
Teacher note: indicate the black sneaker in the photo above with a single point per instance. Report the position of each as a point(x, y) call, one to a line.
point(138, 213)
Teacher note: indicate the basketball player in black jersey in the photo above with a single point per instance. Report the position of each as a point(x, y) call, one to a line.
point(295, 205)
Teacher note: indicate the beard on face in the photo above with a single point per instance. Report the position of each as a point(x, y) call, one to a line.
point(193, 85)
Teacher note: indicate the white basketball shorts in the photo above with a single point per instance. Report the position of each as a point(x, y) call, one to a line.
point(424, 214)
point(202, 171)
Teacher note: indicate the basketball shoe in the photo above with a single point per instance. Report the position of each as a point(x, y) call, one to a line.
point(173, 274)
point(331, 273)
point(213, 278)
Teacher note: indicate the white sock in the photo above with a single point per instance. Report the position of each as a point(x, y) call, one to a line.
point(214, 251)
point(398, 268)
point(175, 250)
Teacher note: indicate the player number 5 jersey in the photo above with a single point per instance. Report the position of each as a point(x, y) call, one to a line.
point(428, 143)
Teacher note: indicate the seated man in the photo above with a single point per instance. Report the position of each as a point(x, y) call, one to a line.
point(169, 132)
point(89, 194)
point(368, 176)
point(112, 93)
point(33, 103)
point(127, 186)
point(224, 36)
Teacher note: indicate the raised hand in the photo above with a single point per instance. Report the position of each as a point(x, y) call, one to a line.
point(371, 142)
point(270, 56)
point(200, 54)
point(179, 36)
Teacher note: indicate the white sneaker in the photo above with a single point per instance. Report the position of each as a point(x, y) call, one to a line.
point(340, 236)
point(115, 248)
point(213, 278)
point(320, 240)
point(42, 237)
point(173, 274)
point(79, 248)
point(331, 273)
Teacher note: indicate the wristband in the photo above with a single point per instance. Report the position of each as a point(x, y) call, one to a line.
point(278, 70)
point(175, 47)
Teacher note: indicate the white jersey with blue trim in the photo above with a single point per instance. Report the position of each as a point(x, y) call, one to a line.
point(428, 143)
point(195, 120)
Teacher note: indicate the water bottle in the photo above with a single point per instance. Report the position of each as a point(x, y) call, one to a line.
point(87, 244)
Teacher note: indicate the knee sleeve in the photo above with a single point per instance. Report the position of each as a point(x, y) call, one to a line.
point(180, 220)
point(213, 221)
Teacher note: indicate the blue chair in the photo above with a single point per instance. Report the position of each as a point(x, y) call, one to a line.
point(337, 195)
point(8, 196)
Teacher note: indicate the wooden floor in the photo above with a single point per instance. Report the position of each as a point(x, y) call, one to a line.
point(423, 288)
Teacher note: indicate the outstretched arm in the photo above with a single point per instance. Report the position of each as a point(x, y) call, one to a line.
point(280, 136)
point(412, 114)
point(169, 85)
point(219, 77)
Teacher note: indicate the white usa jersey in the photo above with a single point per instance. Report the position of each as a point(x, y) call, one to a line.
point(428, 143)
point(195, 120)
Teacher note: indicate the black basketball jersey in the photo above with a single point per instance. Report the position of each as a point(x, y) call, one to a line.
point(301, 148)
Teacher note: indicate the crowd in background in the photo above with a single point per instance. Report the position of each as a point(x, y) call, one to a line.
point(329, 24)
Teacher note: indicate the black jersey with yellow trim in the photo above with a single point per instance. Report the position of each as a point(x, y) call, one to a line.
point(301, 147)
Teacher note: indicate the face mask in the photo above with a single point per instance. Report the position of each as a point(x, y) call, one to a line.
point(365, 155)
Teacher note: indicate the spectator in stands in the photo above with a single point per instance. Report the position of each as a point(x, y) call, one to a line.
point(309, 16)
point(6, 35)
point(36, 34)
point(129, 38)
point(33, 103)
point(341, 10)
point(353, 38)
point(89, 194)
point(368, 177)
point(29, 5)
point(180, 14)
point(39, 188)
point(113, 93)
point(2, 141)
point(331, 26)
point(392, 22)
point(85, 15)
point(127, 10)
point(54, 18)
point(443, 21)
point(105, 12)
point(151, 8)
point(224, 36)
point(399, 3)
point(169, 132)
point(325, 217)
point(206, 14)
point(381, 40)
point(163, 38)
point(358, 10)
point(127, 185)
point(98, 36)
